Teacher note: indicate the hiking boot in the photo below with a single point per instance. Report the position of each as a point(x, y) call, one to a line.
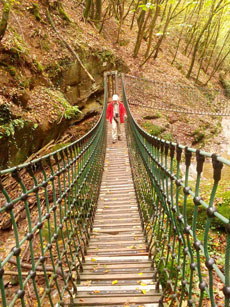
point(114, 141)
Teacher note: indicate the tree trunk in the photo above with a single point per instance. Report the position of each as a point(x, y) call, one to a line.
point(212, 14)
point(213, 49)
point(134, 14)
point(87, 8)
point(157, 48)
point(98, 11)
point(194, 26)
point(217, 66)
point(203, 53)
point(140, 33)
point(180, 37)
point(92, 10)
point(152, 26)
point(5, 18)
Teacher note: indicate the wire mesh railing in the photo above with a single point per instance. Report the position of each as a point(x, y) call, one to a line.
point(47, 212)
point(191, 259)
point(176, 98)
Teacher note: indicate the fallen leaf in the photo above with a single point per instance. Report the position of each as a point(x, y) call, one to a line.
point(96, 291)
point(86, 283)
point(114, 282)
point(140, 273)
point(74, 275)
point(93, 259)
point(143, 291)
point(143, 284)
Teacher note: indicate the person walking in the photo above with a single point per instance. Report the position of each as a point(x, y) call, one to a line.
point(115, 114)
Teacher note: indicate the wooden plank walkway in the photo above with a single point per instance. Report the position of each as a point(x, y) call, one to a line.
point(117, 271)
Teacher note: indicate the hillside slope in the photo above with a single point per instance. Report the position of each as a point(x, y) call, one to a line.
point(43, 86)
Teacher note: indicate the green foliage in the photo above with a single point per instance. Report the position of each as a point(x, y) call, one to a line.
point(198, 136)
point(54, 70)
point(222, 207)
point(44, 43)
point(35, 11)
point(38, 65)
point(216, 129)
point(167, 136)
point(156, 130)
point(153, 116)
point(63, 13)
point(153, 129)
point(106, 56)
point(147, 6)
point(226, 85)
point(9, 68)
point(59, 146)
point(19, 47)
point(124, 42)
point(8, 129)
point(69, 110)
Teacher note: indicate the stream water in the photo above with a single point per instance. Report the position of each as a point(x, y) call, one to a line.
point(223, 151)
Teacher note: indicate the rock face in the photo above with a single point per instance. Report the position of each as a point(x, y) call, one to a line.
point(31, 118)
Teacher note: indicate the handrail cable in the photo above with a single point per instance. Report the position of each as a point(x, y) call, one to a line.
point(181, 258)
point(157, 98)
point(58, 193)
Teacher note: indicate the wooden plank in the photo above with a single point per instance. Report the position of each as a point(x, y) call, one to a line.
point(107, 209)
point(122, 282)
point(129, 259)
point(117, 217)
point(140, 244)
point(122, 253)
point(111, 211)
point(114, 231)
point(104, 269)
point(120, 265)
point(110, 249)
point(104, 237)
point(123, 276)
point(117, 224)
point(103, 301)
point(120, 293)
point(112, 186)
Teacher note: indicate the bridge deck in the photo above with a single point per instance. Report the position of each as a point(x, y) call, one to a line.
point(117, 271)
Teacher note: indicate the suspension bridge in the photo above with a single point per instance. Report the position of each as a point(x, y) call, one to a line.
point(107, 224)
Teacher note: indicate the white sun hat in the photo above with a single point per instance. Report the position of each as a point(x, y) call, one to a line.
point(115, 97)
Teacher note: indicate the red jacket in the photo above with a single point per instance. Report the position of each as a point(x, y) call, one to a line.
point(122, 111)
